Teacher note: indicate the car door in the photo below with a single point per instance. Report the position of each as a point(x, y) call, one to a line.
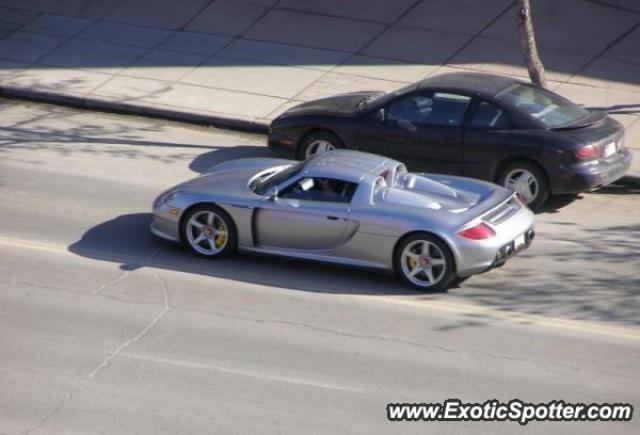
point(306, 217)
point(422, 129)
point(488, 139)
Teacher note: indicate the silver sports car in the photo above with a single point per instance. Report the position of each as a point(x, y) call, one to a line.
point(351, 208)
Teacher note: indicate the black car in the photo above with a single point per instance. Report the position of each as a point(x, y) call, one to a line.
point(476, 125)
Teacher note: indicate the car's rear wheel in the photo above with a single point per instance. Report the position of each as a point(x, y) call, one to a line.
point(208, 231)
point(318, 143)
point(425, 262)
point(528, 180)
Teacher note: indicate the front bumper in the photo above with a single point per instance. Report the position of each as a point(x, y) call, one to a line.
point(583, 177)
point(165, 224)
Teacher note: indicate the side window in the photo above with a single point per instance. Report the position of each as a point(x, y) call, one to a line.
point(414, 109)
point(448, 109)
point(438, 109)
point(320, 189)
point(489, 116)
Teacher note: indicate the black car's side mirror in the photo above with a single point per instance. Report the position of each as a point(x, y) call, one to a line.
point(381, 115)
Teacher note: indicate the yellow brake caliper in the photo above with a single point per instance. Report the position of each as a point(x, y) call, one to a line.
point(220, 239)
point(412, 263)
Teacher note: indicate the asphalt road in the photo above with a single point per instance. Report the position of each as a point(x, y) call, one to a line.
point(104, 329)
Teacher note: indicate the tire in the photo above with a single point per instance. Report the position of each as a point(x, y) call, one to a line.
point(219, 234)
point(438, 269)
point(534, 188)
point(317, 143)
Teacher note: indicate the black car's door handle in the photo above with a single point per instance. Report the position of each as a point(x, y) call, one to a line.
point(333, 218)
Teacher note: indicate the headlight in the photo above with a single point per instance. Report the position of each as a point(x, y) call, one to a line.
point(167, 199)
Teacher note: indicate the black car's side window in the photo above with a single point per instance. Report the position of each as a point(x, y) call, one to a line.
point(439, 108)
point(448, 109)
point(320, 189)
point(414, 109)
point(488, 115)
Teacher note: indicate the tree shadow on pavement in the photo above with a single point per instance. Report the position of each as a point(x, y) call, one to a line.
point(620, 109)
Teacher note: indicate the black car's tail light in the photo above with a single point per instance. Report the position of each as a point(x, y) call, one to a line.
point(587, 152)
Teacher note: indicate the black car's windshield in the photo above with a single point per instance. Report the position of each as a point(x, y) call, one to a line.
point(549, 108)
point(268, 179)
point(381, 98)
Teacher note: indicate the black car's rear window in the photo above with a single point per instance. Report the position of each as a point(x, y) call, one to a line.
point(549, 108)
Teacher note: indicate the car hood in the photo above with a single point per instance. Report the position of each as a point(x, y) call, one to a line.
point(342, 104)
point(230, 177)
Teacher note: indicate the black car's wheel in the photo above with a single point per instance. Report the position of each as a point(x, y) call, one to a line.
point(424, 262)
point(528, 180)
point(208, 231)
point(318, 143)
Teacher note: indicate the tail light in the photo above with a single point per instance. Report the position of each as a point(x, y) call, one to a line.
point(586, 152)
point(481, 231)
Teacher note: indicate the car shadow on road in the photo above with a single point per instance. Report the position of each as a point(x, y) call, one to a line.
point(126, 240)
point(557, 202)
point(628, 185)
point(570, 291)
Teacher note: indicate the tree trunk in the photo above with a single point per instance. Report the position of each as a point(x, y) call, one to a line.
point(528, 41)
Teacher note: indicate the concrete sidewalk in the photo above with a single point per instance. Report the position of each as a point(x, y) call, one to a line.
point(241, 63)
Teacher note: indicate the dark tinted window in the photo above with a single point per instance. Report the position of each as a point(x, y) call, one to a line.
point(488, 115)
point(437, 109)
point(415, 109)
point(448, 109)
point(320, 189)
point(549, 108)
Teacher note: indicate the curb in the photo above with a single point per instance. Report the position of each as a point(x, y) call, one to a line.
point(124, 108)
point(99, 105)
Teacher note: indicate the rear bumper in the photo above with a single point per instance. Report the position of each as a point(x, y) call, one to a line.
point(477, 256)
point(510, 249)
point(582, 177)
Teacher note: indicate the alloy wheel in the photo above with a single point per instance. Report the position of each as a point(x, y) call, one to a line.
point(318, 147)
point(207, 232)
point(524, 183)
point(423, 263)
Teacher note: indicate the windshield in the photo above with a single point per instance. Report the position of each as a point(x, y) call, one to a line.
point(382, 97)
point(549, 108)
point(273, 177)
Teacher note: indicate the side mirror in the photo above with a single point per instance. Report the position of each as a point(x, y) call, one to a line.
point(381, 115)
point(272, 193)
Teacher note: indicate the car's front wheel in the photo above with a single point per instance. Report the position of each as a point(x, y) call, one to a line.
point(208, 231)
point(425, 262)
point(528, 180)
point(318, 143)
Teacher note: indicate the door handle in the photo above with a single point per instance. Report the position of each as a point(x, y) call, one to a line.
point(333, 218)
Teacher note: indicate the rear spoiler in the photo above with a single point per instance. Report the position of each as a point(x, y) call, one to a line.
point(498, 198)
